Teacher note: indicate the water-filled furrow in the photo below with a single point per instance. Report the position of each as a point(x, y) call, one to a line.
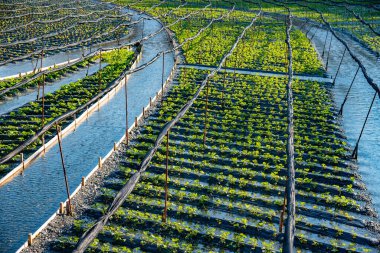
point(31, 198)
point(357, 104)
point(31, 94)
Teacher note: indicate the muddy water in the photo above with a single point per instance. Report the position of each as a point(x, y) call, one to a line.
point(30, 199)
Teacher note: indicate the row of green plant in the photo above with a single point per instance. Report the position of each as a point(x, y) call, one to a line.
point(33, 13)
point(338, 17)
point(227, 195)
point(23, 122)
point(50, 77)
point(38, 29)
point(263, 48)
point(76, 35)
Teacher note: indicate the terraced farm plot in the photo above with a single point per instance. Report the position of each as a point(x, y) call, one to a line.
point(227, 195)
point(243, 149)
point(54, 26)
point(23, 123)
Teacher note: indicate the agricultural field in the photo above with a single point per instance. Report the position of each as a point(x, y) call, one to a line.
point(244, 144)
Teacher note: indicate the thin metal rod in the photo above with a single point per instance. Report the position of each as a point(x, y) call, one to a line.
point(68, 207)
point(328, 53)
point(349, 89)
point(324, 45)
point(312, 37)
point(355, 152)
point(340, 63)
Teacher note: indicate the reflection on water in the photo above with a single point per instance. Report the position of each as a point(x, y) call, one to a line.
point(356, 107)
point(29, 200)
point(30, 95)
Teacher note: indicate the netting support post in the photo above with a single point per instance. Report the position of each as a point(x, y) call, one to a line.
point(68, 206)
point(22, 161)
point(355, 152)
point(349, 89)
point(340, 64)
point(328, 53)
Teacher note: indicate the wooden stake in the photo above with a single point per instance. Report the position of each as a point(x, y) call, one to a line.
point(61, 208)
point(136, 122)
point(22, 161)
point(100, 162)
point(30, 239)
point(83, 181)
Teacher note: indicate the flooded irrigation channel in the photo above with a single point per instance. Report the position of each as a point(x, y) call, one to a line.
point(31, 198)
point(357, 103)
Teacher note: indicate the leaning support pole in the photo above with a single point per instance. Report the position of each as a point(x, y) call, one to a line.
point(328, 54)
point(355, 152)
point(340, 64)
point(349, 89)
point(68, 206)
point(288, 246)
point(353, 56)
point(324, 44)
point(312, 37)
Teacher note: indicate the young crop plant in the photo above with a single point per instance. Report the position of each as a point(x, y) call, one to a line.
point(230, 199)
point(68, 98)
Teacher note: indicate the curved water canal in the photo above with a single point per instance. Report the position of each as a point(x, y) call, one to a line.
point(357, 105)
point(30, 199)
